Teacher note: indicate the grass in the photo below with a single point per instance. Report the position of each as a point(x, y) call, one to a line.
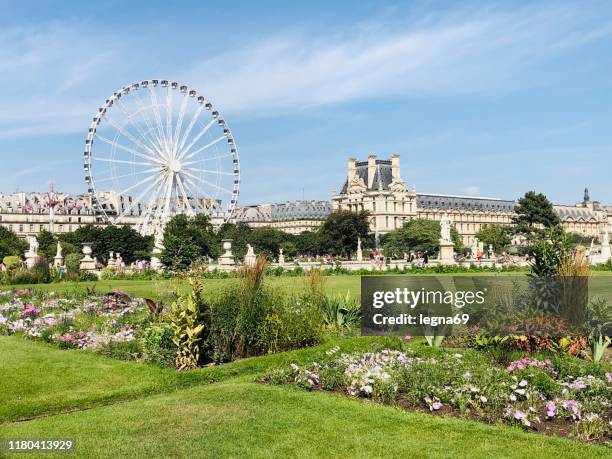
point(39, 379)
point(333, 284)
point(122, 409)
point(234, 419)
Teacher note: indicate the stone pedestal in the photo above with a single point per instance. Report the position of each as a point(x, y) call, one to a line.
point(30, 259)
point(446, 255)
point(58, 261)
point(87, 262)
point(605, 253)
point(227, 259)
point(281, 258)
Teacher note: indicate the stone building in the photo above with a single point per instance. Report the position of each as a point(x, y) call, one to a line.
point(376, 185)
point(27, 214)
point(292, 217)
point(589, 218)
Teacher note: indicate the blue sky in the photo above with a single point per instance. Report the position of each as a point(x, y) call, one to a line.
point(482, 99)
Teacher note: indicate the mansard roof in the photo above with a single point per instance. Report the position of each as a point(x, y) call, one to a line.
point(575, 213)
point(456, 202)
point(294, 210)
point(382, 175)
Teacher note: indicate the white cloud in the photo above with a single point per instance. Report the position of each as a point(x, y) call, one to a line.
point(57, 74)
point(465, 53)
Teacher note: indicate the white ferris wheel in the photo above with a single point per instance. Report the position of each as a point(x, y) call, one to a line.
point(156, 149)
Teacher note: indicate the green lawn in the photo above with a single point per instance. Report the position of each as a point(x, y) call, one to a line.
point(337, 284)
point(155, 288)
point(121, 409)
point(39, 379)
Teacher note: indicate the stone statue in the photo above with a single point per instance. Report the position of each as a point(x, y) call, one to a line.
point(359, 251)
point(605, 240)
point(58, 260)
point(281, 257)
point(445, 228)
point(250, 259)
point(33, 250)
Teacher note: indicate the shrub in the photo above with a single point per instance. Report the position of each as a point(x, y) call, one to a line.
point(11, 263)
point(121, 350)
point(157, 345)
point(187, 327)
point(72, 262)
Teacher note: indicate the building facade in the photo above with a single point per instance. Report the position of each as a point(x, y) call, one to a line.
point(376, 185)
point(291, 217)
point(27, 214)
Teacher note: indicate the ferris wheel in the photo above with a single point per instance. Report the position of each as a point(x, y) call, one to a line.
point(156, 149)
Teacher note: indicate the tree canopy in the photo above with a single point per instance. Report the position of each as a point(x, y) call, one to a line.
point(418, 235)
point(10, 244)
point(496, 235)
point(122, 239)
point(188, 239)
point(339, 232)
point(534, 212)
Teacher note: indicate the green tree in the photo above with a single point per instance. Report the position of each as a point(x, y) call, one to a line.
point(119, 239)
point(188, 239)
point(240, 234)
point(533, 213)
point(46, 243)
point(289, 249)
point(338, 234)
point(496, 235)
point(10, 244)
point(268, 240)
point(575, 239)
point(307, 243)
point(418, 235)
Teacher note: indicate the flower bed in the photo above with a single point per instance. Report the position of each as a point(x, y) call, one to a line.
point(96, 322)
point(561, 395)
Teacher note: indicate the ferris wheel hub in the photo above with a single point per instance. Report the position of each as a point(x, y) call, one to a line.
point(175, 166)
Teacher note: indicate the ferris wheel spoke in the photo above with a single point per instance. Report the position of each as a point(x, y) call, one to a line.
point(179, 123)
point(157, 112)
point(208, 145)
point(168, 197)
point(146, 171)
point(137, 199)
point(144, 114)
point(131, 137)
point(208, 171)
point(129, 150)
point(120, 161)
point(196, 138)
point(194, 118)
point(225, 190)
point(179, 181)
point(169, 117)
point(206, 159)
point(142, 133)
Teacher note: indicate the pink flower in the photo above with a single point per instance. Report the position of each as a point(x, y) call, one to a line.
point(407, 338)
point(551, 409)
point(435, 406)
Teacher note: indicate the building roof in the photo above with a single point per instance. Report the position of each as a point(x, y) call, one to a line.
point(457, 202)
point(575, 213)
point(382, 175)
point(291, 210)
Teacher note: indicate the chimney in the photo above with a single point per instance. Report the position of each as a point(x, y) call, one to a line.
point(351, 169)
point(371, 170)
point(395, 167)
